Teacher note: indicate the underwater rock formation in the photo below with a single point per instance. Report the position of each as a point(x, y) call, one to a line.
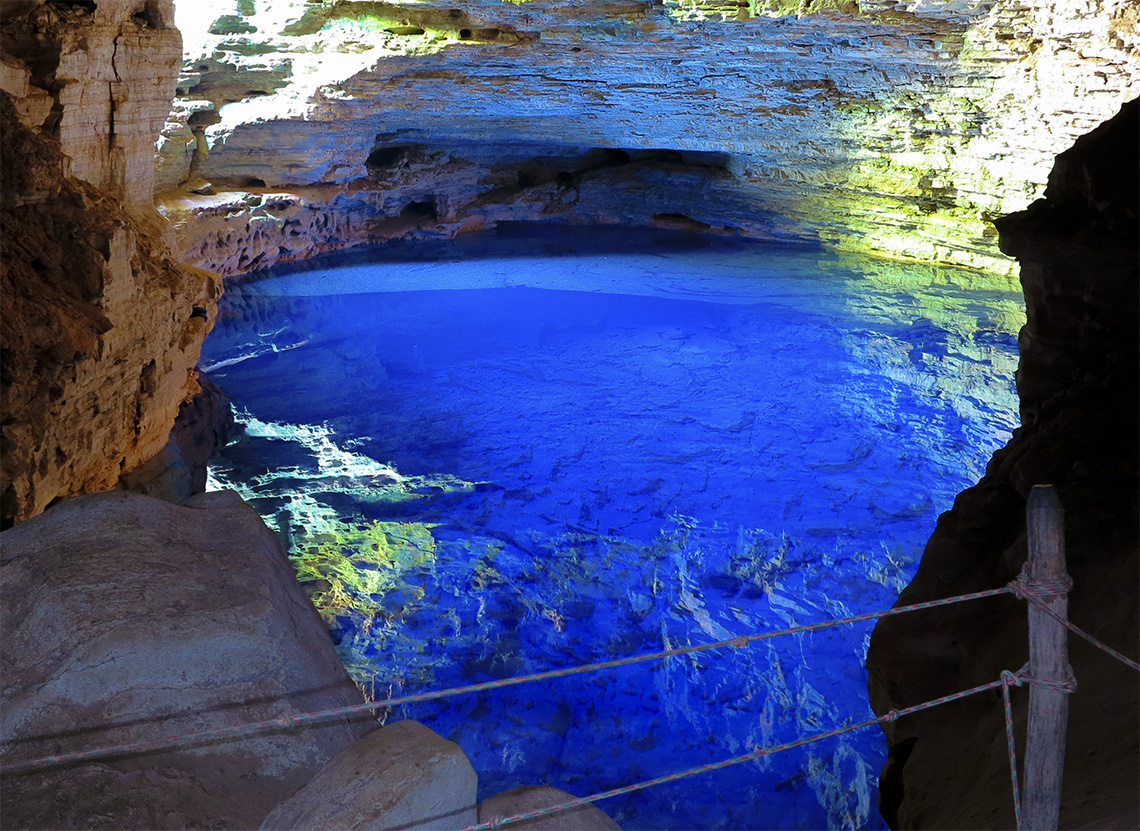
point(893, 128)
point(1079, 397)
point(128, 619)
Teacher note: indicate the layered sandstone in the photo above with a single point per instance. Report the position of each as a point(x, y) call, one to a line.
point(1079, 401)
point(899, 131)
point(101, 327)
point(96, 77)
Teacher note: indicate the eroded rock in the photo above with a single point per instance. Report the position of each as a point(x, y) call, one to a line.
point(128, 619)
point(98, 326)
point(402, 776)
point(98, 78)
point(204, 425)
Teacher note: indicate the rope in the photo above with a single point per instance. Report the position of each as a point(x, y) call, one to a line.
point(1029, 589)
point(1008, 678)
point(286, 722)
point(1099, 644)
point(1038, 591)
point(747, 757)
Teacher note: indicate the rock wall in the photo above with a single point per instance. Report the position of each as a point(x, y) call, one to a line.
point(96, 77)
point(895, 128)
point(1078, 381)
point(99, 323)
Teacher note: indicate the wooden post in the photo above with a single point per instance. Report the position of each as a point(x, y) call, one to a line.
point(1049, 662)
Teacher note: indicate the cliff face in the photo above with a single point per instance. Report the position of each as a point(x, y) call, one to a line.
point(895, 128)
point(1079, 397)
point(96, 77)
point(100, 334)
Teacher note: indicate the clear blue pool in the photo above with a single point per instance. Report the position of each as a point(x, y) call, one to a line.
point(548, 447)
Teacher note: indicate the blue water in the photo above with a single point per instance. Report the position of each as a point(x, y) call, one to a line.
point(582, 445)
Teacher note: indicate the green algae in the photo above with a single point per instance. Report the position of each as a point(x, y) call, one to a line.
point(799, 8)
point(353, 567)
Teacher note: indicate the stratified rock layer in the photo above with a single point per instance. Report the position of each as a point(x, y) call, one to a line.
point(1078, 385)
point(895, 130)
point(128, 619)
point(99, 332)
point(98, 78)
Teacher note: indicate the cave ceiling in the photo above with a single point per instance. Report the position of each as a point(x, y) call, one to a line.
point(901, 128)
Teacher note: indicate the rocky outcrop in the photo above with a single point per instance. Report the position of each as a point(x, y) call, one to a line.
point(98, 322)
point(402, 776)
point(1079, 390)
point(129, 619)
point(894, 128)
point(204, 425)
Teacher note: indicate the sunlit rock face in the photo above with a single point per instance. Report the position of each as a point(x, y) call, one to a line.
point(1078, 386)
point(900, 130)
point(100, 334)
point(97, 77)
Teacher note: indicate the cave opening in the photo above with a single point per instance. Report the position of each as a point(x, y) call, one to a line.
point(545, 446)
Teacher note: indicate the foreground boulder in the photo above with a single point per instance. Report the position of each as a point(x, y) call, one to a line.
point(125, 619)
point(532, 798)
point(402, 776)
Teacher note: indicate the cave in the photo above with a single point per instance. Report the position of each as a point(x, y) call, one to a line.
point(351, 355)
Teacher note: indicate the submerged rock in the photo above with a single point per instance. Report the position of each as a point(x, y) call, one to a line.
point(129, 619)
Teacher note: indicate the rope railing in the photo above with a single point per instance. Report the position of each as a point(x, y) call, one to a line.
point(285, 722)
point(1019, 587)
point(1039, 592)
point(758, 753)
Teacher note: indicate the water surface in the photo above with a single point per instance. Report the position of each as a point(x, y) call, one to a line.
point(544, 448)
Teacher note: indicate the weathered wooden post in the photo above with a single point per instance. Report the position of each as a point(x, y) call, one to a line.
point(1048, 662)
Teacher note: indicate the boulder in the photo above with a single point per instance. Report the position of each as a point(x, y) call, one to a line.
point(531, 798)
point(402, 776)
point(128, 619)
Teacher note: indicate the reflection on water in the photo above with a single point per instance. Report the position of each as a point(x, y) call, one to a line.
point(537, 450)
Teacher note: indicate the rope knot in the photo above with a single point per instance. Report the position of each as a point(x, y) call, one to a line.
point(892, 715)
point(1068, 685)
point(1012, 679)
point(738, 642)
point(1029, 589)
